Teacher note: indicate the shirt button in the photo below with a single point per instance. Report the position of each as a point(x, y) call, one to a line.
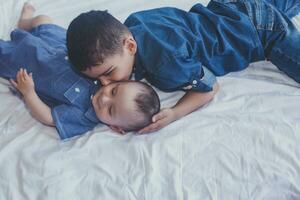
point(66, 58)
point(77, 90)
point(195, 82)
point(95, 82)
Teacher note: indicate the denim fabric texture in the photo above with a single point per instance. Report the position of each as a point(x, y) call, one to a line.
point(179, 50)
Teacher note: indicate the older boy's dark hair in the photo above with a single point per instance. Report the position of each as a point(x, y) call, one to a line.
point(92, 37)
point(147, 105)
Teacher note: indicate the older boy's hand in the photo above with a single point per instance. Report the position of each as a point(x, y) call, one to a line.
point(24, 82)
point(160, 120)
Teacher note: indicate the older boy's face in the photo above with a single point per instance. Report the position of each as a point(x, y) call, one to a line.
point(117, 67)
point(114, 104)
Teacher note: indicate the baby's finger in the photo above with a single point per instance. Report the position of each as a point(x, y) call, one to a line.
point(13, 83)
point(20, 72)
point(23, 74)
point(26, 75)
point(18, 77)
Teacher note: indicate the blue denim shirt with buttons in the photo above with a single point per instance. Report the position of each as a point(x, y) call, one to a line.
point(43, 52)
point(179, 50)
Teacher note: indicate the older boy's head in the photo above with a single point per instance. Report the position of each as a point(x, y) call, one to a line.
point(126, 105)
point(101, 47)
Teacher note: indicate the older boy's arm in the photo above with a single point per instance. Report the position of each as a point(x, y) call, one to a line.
point(187, 104)
point(24, 83)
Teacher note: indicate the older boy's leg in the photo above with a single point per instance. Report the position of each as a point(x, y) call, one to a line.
point(289, 7)
point(285, 53)
point(27, 21)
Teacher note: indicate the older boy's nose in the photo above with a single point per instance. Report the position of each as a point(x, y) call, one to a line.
point(104, 80)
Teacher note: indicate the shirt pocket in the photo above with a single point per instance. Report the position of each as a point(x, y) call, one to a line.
point(72, 89)
point(77, 91)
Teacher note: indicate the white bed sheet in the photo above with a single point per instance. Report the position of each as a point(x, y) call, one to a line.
point(243, 145)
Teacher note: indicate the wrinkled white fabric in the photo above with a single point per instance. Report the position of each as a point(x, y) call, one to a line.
point(244, 145)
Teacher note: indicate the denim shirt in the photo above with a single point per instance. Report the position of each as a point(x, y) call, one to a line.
point(42, 51)
point(179, 50)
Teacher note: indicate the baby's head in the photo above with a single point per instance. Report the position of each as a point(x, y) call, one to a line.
point(101, 47)
point(126, 105)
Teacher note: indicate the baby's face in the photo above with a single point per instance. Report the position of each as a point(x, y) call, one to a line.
point(114, 103)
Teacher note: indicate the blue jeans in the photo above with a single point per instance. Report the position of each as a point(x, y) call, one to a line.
point(289, 7)
point(285, 53)
point(280, 38)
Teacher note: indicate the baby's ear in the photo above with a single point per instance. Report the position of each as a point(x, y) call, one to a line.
point(117, 129)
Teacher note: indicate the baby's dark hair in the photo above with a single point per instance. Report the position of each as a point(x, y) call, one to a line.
point(147, 104)
point(92, 37)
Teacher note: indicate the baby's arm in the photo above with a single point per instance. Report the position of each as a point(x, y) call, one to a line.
point(187, 104)
point(24, 83)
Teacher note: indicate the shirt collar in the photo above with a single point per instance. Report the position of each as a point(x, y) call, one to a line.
point(138, 70)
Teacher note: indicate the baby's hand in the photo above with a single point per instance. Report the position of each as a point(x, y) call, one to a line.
point(24, 82)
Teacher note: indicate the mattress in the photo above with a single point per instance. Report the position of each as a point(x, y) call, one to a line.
point(243, 145)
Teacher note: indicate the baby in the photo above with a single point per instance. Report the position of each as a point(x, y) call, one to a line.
point(56, 95)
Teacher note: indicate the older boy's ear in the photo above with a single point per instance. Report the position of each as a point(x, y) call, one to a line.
point(130, 44)
point(117, 129)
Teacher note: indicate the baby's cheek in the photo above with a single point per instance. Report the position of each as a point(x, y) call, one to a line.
point(100, 115)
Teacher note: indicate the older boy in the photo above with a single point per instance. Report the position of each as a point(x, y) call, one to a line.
point(178, 50)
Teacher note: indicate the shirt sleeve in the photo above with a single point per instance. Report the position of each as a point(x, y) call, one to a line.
point(184, 73)
point(70, 121)
point(202, 82)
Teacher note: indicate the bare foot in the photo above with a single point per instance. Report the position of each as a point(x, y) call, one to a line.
point(26, 16)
